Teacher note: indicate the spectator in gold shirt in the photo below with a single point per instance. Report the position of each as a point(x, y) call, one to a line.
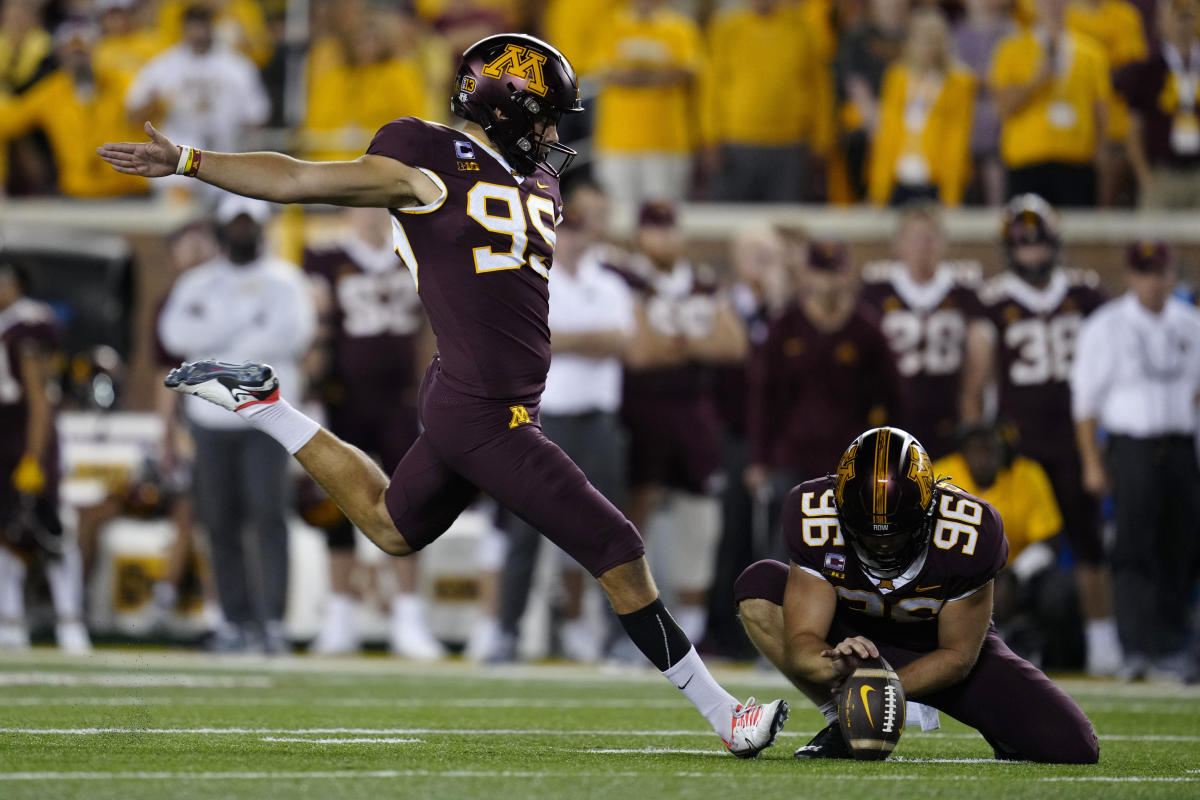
point(345, 104)
point(1035, 604)
point(1116, 26)
point(921, 144)
point(24, 45)
point(755, 140)
point(125, 45)
point(1052, 89)
point(647, 61)
point(240, 25)
point(78, 108)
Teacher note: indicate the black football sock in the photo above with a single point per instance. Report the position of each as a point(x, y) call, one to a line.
point(656, 634)
point(662, 641)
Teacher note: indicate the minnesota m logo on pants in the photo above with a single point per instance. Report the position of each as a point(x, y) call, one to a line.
point(520, 416)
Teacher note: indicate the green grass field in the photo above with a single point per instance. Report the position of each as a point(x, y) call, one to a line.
point(125, 724)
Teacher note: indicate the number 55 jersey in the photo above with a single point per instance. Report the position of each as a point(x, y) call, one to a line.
point(966, 549)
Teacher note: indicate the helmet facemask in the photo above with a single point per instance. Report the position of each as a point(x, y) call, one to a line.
point(886, 555)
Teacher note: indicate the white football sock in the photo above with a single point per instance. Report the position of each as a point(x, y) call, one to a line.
point(65, 576)
point(830, 710)
point(690, 676)
point(1104, 651)
point(12, 588)
point(282, 422)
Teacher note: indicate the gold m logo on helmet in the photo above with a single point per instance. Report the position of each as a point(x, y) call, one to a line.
point(520, 62)
point(920, 470)
point(845, 472)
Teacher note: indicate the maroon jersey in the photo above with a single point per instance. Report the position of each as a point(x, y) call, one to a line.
point(671, 412)
point(25, 325)
point(376, 316)
point(1036, 331)
point(966, 549)
point(926, 326)
point(480, 256)
point(681, 302)
point(812, 391)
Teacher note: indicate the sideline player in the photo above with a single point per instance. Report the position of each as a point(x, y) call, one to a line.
point(368, 366)
point(29, 523)
point(473, 215)
point(929, 311)
point(886, 560)
point(1036, 308)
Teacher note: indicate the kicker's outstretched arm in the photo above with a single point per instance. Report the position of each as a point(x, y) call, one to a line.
point(368, 181)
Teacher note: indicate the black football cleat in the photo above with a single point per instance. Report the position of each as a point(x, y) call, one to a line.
point(231, 386)
point(826, 744)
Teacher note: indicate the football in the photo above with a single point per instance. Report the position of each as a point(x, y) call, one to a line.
point(871, 710)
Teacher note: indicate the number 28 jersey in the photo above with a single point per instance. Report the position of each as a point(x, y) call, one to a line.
point(926, 326)
point(480, 255)
point(1036, 333)
point(966, 549)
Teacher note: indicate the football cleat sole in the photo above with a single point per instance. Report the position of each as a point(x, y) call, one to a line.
point(232, 386)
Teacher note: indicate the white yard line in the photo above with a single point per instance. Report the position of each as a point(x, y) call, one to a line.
point(127, 680)
point(420, 773)
point(336, 702)
point(458, 702)
point(1153, 737)
point(647, 751)
point(358, 667)
point(354, 740)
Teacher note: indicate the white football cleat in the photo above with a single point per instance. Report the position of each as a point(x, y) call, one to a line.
point(339, 628)
point(409, 635)
point(753, 728)
point(73, 638)
point(14, 636)
point(579, 642)
point(231, 386)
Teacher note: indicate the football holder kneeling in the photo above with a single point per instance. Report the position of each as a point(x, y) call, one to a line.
point(871, 710)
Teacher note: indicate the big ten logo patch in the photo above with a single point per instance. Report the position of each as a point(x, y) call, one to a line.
point(520, 62)
point(465, 153)
point(520, 416)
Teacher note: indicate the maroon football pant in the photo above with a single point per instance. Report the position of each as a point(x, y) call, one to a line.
point(1019, 711)
point(1080, 509)
point(471, 444)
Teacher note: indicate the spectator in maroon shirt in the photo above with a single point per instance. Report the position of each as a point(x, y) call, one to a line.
point(1163, 93)
point(824, 374)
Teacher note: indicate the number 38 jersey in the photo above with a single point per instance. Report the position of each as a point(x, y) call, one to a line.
point(1036, 332)
point(966, 549)
point(926, 326)
point(480, 255)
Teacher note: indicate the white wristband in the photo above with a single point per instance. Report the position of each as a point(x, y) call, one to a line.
point(181, 167)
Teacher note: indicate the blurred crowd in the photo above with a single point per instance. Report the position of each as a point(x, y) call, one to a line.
point(1087, 102)
point(693, 397)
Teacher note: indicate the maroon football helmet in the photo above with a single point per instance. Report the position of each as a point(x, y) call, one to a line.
point(528, 82)
point(1029, 219)
point(885, 495)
